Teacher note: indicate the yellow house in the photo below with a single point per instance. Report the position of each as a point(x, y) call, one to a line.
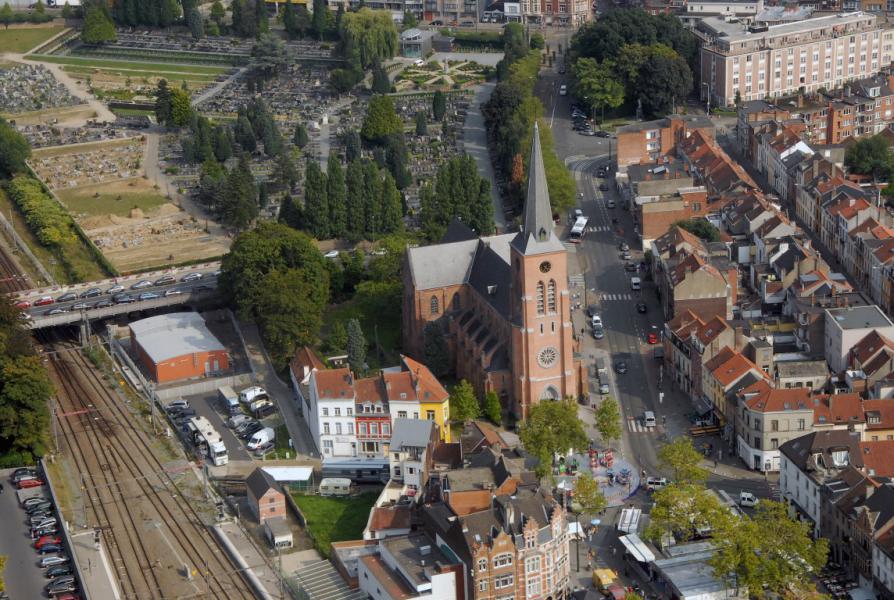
point(434, 401)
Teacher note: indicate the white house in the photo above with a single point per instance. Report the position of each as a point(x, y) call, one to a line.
point(407, 567)
point(412, 441)
point(883, 563)
point(848, 325)
point(331, 412)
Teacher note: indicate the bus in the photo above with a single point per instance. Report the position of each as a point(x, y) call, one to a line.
point(578, 230)
point(208, 441)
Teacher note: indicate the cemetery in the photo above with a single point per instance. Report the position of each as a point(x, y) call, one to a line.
point(27, 88)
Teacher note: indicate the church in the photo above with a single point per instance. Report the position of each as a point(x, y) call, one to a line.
point(503, 304)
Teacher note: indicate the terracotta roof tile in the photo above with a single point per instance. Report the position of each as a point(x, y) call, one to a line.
point(871, 344)
point(734, 368)
point(837, 409)
point(773, 400)
point(390, 517)
point(430, 389)
point(335, 384)
point(879, 414)
point(879, 457)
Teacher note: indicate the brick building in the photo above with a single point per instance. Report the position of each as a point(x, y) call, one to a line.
point(646, 141)
point(177, 346)
point(265, 497)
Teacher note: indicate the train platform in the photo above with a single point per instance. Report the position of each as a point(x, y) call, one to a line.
point(96, 572)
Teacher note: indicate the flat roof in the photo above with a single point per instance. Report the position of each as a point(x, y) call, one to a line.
point(290, 473)
point(859, 317)
point(411, 551)
point(168, 336)
point(728, 33)
point(688, 570)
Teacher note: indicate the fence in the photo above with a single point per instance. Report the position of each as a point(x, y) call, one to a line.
point(20, 243)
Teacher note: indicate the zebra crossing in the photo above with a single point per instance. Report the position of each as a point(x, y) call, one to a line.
point(635, 425)
point(598, 228)
point(625, 297)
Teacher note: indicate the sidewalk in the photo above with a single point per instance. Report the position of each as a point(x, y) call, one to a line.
point(96, 573)
point(475, 143)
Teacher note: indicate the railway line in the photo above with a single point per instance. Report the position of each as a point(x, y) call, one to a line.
point(11, 278)
point(158, 544)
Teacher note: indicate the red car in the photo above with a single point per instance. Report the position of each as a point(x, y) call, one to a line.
point(23, 304)
point(68, 597)
point(45, 301)
point(29, 483)
point(47, 539)
point(652, 336)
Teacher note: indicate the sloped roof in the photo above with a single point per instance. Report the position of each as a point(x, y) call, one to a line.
point(537, 235)
point(334, 384)
point(260, 481)
point(773, 400)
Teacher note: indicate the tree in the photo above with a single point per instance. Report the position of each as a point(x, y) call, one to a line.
point(285, 170)
point(381, 120)
point(6, 15)
point(701, 228)
point(352, 145)
point(218, 12)
point(67, 11)
point(319, 17)
point(195, 24)
point(439, 105)
point(463, 403)
point(870, 156)
point(381, 84)
point(552, 428)
point(316, 207)
point(367, 37)
point(269, 55)
point(344, 80)
point(244, 134)
point(338, 337)
point(181, 108)
point(336, 193)
point(39, 8)
point(491, 408)
point(299, 291)
point(24, 390)
point(290, 20)
point(262, 20)
point(683, 460)
point(240, 201)
point(14, 150)
point(212, 184)
point(300, 138)
point(537, 42)
point(435, 351)
point(663, 82)
point(356, 347)
point(421, 123)
point(163, 102)
point(785, 562)
point(683, 511)
point(588, 495)
point(597, 85)
point(98, 26)
point(608, 420)
point(457, 192)
point(410, 19)
point(223, 146)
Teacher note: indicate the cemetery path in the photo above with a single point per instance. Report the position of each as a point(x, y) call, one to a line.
point(215, 89)
point(102, 112)
point(475, 143)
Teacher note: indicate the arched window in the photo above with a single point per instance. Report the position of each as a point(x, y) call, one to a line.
point(434, 305)
point(456, 301)
point(551, 296)
point(540, 308)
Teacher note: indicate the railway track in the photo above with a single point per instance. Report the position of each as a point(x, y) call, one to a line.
point(159, 545)
point(11, 278)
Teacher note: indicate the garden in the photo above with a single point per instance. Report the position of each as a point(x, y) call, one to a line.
point(334, 519)
point(431, 76)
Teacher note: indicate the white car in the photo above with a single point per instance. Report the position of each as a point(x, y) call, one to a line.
point(563, 90)
point(331, 254)
point(748, 499)
point(636, 284)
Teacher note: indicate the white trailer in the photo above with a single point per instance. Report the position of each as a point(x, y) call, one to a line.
point(208, 441)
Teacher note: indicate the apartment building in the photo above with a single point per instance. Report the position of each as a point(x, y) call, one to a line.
point(845, 327)
point(755, 62)
point(646, 141)
point(766, 419)
point(696, 11)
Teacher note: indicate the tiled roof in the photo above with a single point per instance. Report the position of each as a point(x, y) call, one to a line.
point(773, 400)
point(307, 359)
point(390, 517)
point(878, 457)
point(879, 414)
point(709, 332)
point(731, 370)
point(837, 409)
point(871, 344)
point(430, 389)
point(334, 384)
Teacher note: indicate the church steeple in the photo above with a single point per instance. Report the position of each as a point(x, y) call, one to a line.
point(537, 233)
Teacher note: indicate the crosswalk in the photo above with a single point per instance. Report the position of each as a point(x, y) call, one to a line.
point(626, 297)
point(635, 425)
point(598, 229)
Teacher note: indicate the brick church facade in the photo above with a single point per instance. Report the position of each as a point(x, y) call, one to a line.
point(503, 303)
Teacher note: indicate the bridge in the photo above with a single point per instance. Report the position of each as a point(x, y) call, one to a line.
point(77, 303)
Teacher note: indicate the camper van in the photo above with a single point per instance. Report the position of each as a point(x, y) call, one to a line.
point(335, 486)
point(229, 400)
point(249, 395)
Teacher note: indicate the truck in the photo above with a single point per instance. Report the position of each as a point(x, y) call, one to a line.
point(229, 400)
point(208, 441)
point(260, 438)
point(578, 230)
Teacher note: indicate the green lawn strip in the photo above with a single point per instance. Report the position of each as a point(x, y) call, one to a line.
point(138, 74)
point(82, 200)
point(85, 147)
point(335, 519)
point(22, 40)
point(132, 65)
point(132, 112)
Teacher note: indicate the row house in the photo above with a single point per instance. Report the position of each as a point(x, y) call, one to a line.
point(724, 376)
point(806, 306)
point(879, 267)
point(647, 141)
point(712, 166)
point(779, 150)
point(689, 344)
point(352, 417)
point(704, 285)
point(860, 257)
point(657, 214)
point(839, 218)
point(864, 107)
point(846, 326)
point(411, 453)
point(873, 357)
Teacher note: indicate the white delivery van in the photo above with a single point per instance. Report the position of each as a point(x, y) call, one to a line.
point(229, 400)
point(649, 419)
point(335, 486)
point(249, 395)
point(260, 438)
point(636, 284)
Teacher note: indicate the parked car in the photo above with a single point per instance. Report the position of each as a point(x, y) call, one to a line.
point(63, 579)
point(625, 255)
point(104, 303)
point(148, 296)
point(22, 472)
point(630, 267)
point(91, 293)
point(34, 500)
point(141, 284)
point(598, 332)
point(44, 301)
point(61, 588)
point(58, 571)
point(265, 410)
point(67, 596)
point(29, 483)
point(67, 297)
point(604, 389)
point(115, 289)
point(50, 549)
point(240, 428)
point(38, 507)
point(172, 292)
point(51, 561)
point(623, 247)
point(237, 419)
point(252, 429)
point(123, 299)
point(37, 518)
point(264, 450)
point(40, 521)
point(83, 306)
point(603, 134)
point(23, 304)
point(165, 279)
point(191, 277)
point(47, 539)
point(40, 532)
point(182, 413)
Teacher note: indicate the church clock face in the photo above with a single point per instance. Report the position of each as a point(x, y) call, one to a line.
point(545, 266)
point(547, 357)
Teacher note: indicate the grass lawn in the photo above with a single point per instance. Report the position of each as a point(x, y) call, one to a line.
point(41, 252)
point(22, 40)
point(102, 63)
point(139, 74)
point(335, 519)
point(118, 201)
point(372, 321)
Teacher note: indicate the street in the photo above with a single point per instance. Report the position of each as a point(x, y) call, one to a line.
point(608, 287)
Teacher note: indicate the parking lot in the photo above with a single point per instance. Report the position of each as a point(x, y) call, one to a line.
point(208, 406)
point(24, 578)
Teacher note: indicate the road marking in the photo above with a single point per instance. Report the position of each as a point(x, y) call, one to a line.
point(635, 426)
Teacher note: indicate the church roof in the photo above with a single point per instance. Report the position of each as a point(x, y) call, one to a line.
point(537, 235)
point(442, 265)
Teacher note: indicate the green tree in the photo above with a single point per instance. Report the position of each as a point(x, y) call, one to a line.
point(457, 192)
point(683, 511)
point(338, 337)
point(240, 201)
point(783, 562)
point(381, 84)
point(163, 102)
point(870, 156)
point(344, 80)
point(463, 403)
point(223, 146)
point(285, 170)
point(14, 150)
point(439, 105)
point(270, 56)
point(302, 279)
point(372, 199)
point(98, 26)
point(491, 408)
point(39, 8)
point(218, 12)
point(262, 20)
point(701, 228)
point(421, 123)
point(316, 206)
point(608, 420)
point(392, 207)
point(195, 24)
point(367, 37)
point(352, 145)
point(356, 348)
point(435, 351)
point(683, 460)
point(588, 495)
point(212, 184)
point(336, 192)
point(552, 428)
point(597, 85)
point(300, 138)
point(381, 120)
point(319, 17)
point(537, 42)
point(6, 15)
point(662, 82)
point(355, 184)
point(24, 390)
point(290, 20)
point(244, 134)
point(410, 19)
point(181, 108)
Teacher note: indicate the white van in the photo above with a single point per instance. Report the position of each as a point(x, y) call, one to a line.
point(649, 419)
point(747, 499)
point(335, 486)
point(656, 483)
point(229, 400)
point(636, 284)
point(260, 438)
point(249, 395)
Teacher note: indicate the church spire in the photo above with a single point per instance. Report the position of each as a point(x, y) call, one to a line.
point(537, 230)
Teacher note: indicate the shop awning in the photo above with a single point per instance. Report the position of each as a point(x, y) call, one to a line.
point(637, 548)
